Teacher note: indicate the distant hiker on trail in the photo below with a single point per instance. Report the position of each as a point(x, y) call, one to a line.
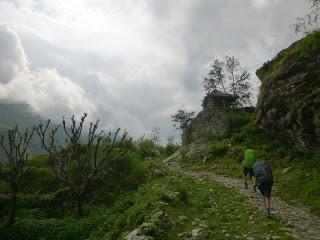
point(249, 160)
point(263, 178)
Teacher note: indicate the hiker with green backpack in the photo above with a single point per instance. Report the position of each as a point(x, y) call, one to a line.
point(263, 178)
point(249, 160)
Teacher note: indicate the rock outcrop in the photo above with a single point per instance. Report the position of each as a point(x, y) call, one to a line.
point(147, 230)
point(207, 123)
point(289, 100)
point(214, 122)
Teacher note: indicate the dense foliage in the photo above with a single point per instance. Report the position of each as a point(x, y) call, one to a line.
point(45, 205)
point(181, 119)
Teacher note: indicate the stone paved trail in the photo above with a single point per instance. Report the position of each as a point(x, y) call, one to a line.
point(300, 222)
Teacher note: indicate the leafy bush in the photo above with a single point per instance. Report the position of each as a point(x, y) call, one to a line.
point(237, 118)
point(55, 204)
point(4, 187)
point(183, 195)
point(39, 180)
point(217, 150)
point(39, 161)
point(31, 213)
point(145, 148)
point(55, 229)
point(171, 148)
point(310, 43)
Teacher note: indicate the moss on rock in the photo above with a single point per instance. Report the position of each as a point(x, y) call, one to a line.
point(289, 100)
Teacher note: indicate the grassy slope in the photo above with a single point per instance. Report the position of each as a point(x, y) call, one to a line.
point(299, 49)
point(224, 211)
point(297, 176)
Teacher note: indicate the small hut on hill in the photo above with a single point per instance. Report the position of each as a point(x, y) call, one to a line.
point(218, 99)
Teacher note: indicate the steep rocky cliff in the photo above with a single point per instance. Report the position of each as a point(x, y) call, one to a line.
point(289, 100)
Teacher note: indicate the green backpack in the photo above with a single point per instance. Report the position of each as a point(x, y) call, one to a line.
point(249, 158)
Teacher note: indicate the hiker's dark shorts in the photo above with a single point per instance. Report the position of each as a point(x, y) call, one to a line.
point(265, 189)
point(248, 170)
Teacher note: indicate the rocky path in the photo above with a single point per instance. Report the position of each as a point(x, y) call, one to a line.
point(300, 222)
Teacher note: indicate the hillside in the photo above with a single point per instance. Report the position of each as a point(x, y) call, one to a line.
point(23, 116)
point(20, 114)
point(138, 190)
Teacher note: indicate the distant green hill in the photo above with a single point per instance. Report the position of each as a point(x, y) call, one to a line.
point(22, 115)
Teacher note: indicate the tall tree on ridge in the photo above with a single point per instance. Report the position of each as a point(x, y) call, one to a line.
point(227, 76)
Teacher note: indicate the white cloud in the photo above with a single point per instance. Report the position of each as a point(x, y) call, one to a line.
point(50, 94)
point(133, 63)
point(12, 57)
point(264, 3)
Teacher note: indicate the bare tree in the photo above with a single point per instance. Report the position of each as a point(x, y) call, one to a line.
point(77, 165)
point(15, 148)
point(155, 136)
point(315, 3)
point(227, 76)
point(311, 21)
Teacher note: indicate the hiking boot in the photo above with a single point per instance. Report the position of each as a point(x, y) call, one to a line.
point(254, 190)
point(267, 212)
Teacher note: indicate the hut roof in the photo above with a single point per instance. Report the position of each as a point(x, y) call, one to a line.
point(218, 94)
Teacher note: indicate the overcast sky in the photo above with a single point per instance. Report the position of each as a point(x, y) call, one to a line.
point(131, 63)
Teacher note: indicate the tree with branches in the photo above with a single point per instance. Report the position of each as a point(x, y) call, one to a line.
point(14, 146)
point(227, 76)
point(182, 119)
point(311, 21)
point(315, 3)
point(214, 78)
point(78, 165)
point(155, 138)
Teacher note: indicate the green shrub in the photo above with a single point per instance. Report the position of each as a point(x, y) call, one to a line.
point(49, 229)
point(183, 195)
point(310, 43)
point(237, 118)
point(53, 205)
point(217, 150)
point(251, 129)
point(145, 148)
point(39, 161)
point(34, 213)
point(40, 180)
point(170, 149)
point(4, 187)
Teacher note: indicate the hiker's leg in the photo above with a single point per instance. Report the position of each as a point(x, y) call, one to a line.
point(251, 175)
point(245, 181)
point(264, 202)
point(268, 201)
point(245, 173)
point(254, 183)
point(267, 207)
